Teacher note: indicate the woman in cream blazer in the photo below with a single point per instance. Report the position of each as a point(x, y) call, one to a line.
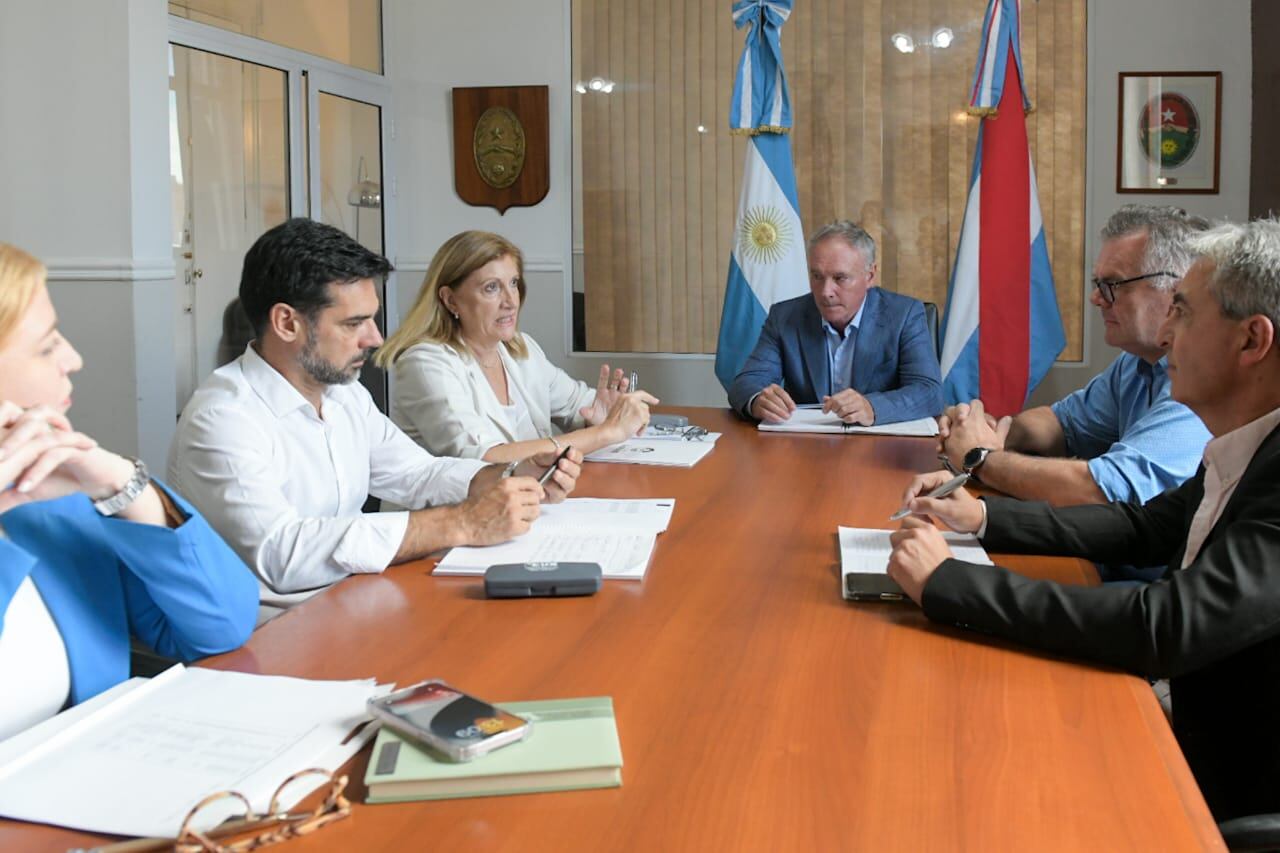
point(469, 383)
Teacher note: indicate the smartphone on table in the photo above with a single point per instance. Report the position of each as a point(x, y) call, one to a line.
point(447, 721)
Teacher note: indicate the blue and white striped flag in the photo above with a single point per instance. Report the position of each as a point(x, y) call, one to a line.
point(767, 263)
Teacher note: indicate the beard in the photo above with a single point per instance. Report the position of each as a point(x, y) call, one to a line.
point(326, 372)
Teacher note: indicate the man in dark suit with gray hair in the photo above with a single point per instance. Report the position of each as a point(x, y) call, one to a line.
point(863, 353)
point(1212, 623)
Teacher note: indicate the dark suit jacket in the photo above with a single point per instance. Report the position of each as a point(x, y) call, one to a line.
point(894, 363)
point(1213, 629)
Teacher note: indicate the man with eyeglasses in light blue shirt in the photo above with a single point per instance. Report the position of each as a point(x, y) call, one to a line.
point(1121, 437)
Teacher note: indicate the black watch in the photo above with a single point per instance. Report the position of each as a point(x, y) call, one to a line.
point(974, 458)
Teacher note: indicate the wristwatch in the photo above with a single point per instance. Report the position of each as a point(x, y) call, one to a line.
point(113, 504)
point(974, 458)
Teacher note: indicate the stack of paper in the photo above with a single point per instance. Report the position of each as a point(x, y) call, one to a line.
point(134, 760)
point(658, 449)
point(815, 420)
point(574, 745)
point(864, 561)
point(620, 535)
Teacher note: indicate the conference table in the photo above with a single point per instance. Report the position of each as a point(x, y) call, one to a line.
point(756, 709)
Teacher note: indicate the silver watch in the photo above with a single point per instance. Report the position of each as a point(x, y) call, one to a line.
point(109, 506)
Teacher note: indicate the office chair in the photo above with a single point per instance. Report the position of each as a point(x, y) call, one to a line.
point(236, 333)
point(931, 320)
point(1253, 834)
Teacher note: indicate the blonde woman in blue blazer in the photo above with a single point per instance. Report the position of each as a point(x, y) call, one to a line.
point(91, 549)
point(469, 383)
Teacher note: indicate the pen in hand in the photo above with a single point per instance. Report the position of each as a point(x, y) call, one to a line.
point(940, 492)
point(546, 475)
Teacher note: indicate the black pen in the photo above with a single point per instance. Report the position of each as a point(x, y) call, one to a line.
point(940, 492)
point(546, 475)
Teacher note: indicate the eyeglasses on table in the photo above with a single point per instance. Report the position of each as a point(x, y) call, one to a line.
point(250, 831)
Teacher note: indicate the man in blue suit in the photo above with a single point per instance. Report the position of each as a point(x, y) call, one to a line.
point(862, 352)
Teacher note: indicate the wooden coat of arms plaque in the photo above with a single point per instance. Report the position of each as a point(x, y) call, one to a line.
point(501, 145)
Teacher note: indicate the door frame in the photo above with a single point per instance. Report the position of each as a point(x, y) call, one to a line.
point(307, 75)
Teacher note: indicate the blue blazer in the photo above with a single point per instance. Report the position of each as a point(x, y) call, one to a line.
point(183, 592)
point(894, 363)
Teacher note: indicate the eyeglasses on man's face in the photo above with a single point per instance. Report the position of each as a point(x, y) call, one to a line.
point(1107, 286)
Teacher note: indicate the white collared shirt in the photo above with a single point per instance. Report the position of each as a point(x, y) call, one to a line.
point(285, 486)
point(1225, 459)
point(33, 661)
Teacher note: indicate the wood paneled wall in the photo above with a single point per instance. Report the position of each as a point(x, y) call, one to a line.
point(880, 137)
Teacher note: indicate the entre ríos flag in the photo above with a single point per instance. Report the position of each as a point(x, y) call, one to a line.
point(1002, 330)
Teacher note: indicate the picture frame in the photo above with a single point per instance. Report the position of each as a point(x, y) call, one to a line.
point(1169, 132)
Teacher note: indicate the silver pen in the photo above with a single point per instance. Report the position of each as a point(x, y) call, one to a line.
point(940, 492)
point(510, 469)
point(635, 381)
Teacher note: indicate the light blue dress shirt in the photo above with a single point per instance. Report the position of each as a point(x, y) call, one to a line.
point(840, 352)
point(1138, 441)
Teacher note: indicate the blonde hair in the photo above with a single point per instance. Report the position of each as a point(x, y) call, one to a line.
point(428, 320)
point(21, 277)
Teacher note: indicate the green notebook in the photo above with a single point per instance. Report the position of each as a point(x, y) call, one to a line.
point(574, 745)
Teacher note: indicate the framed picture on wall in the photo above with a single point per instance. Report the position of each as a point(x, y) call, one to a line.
point(1169, 130)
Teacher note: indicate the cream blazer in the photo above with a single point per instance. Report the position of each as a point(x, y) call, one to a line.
point(442, 400)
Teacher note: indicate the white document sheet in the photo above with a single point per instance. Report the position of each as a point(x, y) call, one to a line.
point(650, 515)
point(667, 435)
point(866, 551)
point(666, 450)
point(622, 556)
point(620, 535)
point(136, 764)
point(814, 420)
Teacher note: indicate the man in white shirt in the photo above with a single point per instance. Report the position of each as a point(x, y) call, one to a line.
point(1212, 623)
point(281, 448)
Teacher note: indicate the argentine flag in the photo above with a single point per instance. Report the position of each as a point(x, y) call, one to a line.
point(767, 262)
point(1002, 330)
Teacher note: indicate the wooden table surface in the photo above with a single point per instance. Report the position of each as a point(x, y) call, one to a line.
point(757, 710)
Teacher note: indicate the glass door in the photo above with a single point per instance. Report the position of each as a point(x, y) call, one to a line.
point(346, 144)
point(260, 132)
point(229, 179)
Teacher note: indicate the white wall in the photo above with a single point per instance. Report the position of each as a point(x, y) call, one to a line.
point(434, 45)
point(84, 176)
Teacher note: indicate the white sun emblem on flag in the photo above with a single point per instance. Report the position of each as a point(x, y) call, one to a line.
point(764, 235)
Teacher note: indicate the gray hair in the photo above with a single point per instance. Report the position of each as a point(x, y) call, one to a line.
point(1167, 229)
point(1246, 275)
point(858, 239)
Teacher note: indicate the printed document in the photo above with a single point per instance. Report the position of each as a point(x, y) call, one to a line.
point(807, 419)
point(135, 760)
point(620, 535)
point(864, 560)
point(867, 551)
point(670, 450)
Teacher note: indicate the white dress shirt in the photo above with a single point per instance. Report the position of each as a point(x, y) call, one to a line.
point(33, 662)
point(518, 419)
point(1225, 459)
point(443, 401)
point(285, 486)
